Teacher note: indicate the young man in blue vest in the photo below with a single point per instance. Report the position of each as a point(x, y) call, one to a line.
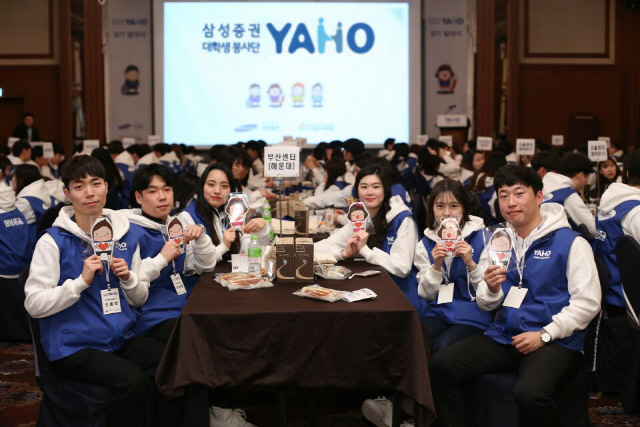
point(566, 189)
point(539, 336)
point(619, 215)
point(172, 257)
point(87, 308)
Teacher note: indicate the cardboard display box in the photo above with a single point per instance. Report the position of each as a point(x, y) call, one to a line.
point(285, 259)
point(301, 216)
point(304, 260)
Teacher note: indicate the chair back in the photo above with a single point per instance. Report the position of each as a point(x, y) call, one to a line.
point(628, 254)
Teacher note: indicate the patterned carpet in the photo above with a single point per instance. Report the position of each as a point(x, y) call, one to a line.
point(20, 397)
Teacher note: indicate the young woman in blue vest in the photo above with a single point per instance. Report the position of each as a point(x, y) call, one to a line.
point(482, 184)
point(472, 161)
point(393, 244)
point(541, 337)
point(333, 177)
point(451, 321)
point(216, 183)
point(619, 215)
point(86, 309)
point(161, 253)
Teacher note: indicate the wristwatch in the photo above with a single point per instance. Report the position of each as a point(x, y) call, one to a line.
point(545, 336)
point(203, 227)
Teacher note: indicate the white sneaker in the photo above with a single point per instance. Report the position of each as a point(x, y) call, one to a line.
point(223, 417)
point(379, 411)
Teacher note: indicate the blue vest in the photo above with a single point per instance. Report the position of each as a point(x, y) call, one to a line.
point(399, 190)
point(559, 196)
point(608, 232)
point(163, 302)
point(463, 309)
point(190, 281)
point(340, 184)
point(174, 167)
point(83, 325)
point(125, 194)
point(545, 277)
point(38, 210)
point(408, 285)
point(467, 182)
point(485, 198)
point(15, 249)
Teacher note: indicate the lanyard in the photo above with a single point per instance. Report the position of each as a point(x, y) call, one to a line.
point(522, 249)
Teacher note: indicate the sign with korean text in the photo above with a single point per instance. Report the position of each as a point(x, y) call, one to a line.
point(128, 142)
point(447, 139)
point(525, 146)
point(88, 145)
point(484, 143)
point(598, 151)
point(557, 140)
point(282, 161)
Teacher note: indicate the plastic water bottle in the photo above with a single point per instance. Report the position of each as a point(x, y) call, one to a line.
point(255, 256)
point(272, 234)
point(266, 211)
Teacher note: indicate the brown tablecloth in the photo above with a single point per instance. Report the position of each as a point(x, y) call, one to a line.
point(269, 337)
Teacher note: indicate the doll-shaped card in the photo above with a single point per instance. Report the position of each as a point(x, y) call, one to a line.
point(502, 247)
point(360, 218)
point(449, 234)
point(237, 209)
point(175, 232)
point(102, 238)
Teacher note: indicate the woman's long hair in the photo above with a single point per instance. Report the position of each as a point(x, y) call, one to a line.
point(229, 155)
point(457, 191)
point(207, 211)
point(336, 168)
point(604, 182)
point(380, 224)
point(491, 165)
point(25, 174)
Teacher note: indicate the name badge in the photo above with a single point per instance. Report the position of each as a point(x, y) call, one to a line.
point(177, 283)
point(515, 297)
point(445, 294)
point(110, 301)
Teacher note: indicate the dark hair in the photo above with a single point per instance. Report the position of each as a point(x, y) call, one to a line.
point(215, 151)
point(174, 221)
point(401, 151)
point(472, 143)
point(144, 175)
point(542, 146)
point(357, 207)
point(25, 174)
point(604, 182)
point(320, 152)
point(632, 166)
point(131, 68)
point(444, 67)
point(4, 164)
point(383, 163)
point(19, 146)
point(139, 150)
point(36, 152)
point(115, 147)
point(229, 155)
point(467, 159)
point(178, 152)
point(354, 146)
point(546, 159)
point(57, 149)
point(335, 145)
point(509, 175)
point(362, 159)
point(574, 163)
point(81, 166)
point(504, 146)
point(255, 146)
point(161, 147)
point(207, 211)
point(430, 164)
point(25, 115)
point(184, 188)
point(335, 169)
point(380, 221)
point(457, 191)
point(113, 177)
point(491, 165)
point(102, 223)
point(388, 142)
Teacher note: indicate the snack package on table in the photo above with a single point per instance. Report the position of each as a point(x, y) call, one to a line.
point(318, 292)
point(247, 281)
point(333, 272)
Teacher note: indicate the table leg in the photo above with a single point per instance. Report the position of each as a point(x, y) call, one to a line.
point(397, 409)
point(282, 408)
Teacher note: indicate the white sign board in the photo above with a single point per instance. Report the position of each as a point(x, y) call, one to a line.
point(153, 140)
point(598, 151)
point(47, 150)
point(452, 121)
point(422, 139)
point(12, 141)
point(447, 139)
point(88, 145)
point(128, 142)
point(605, 138)
point(282, 161)
point(525, 147)
point(557, 140)
point(484, 143)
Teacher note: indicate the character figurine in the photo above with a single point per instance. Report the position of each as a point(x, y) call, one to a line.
point(357, 215)
point(500, 248)
point(449, 233)
point(175, 232)
point(317, 95)
point(254, 96)
point(275, 95)
point(236, 209)
point(102, 236)
point(297, 93)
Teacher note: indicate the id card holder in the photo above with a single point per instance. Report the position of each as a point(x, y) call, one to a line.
point(110, 301)
point(515, 297)
point(177, 283)
point(445, 294)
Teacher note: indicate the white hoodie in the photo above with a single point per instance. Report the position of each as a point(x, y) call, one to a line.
point(55, 187)
point(148, 159)
point(7, 197)
point(429, 279)
point(43, 295)
point(582, 278)
point(125, 158)
point(576, 209)
point(400, 259)
point(37, 189)
point(616, 194)
point(332, 198)
point(200, 255)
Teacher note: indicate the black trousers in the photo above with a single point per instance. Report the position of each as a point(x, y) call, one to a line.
point(162, 331)
point(454, 368)
point(129, 374)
